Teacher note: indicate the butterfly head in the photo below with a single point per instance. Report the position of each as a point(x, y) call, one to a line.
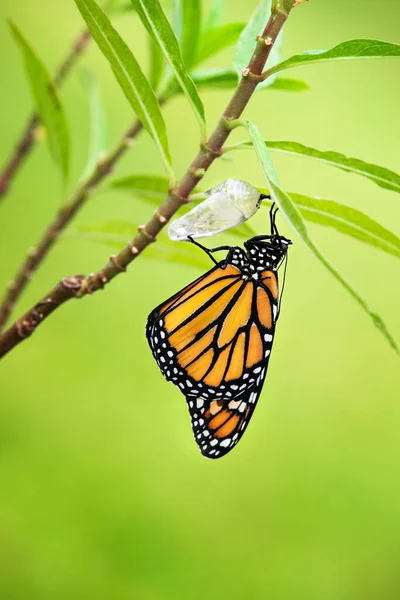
point(270, 249)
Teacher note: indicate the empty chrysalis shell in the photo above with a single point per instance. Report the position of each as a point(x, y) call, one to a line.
point(228, 204)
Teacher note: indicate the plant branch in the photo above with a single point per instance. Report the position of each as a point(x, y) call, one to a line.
point(64, 216)
point(174, 200)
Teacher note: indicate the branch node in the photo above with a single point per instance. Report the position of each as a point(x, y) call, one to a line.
point(197, 173)
point(173, 192)
point(11, 285)
point(128, 141)
point(247, 74)
point(275, 10)
point(214, 153)
point(134, 250)
point(73, 283)
point(88, 284)
point(229, 123)
point(32, 252)
point(25, 327)
point(163, 220)
point(114, 260)
point(268, 41)
point(143, 231)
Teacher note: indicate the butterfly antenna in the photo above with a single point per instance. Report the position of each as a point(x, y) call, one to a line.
point(274, 222)
point(272, 218)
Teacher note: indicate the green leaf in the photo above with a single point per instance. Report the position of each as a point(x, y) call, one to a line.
point(347, 220)
point(380, 175)
point(143, 185)
point(97, 140)
point(129, 75)
point(157, 25)
point(221, 78)
point(48, 104)
point(218, 39)
point(214, 16)
point(177, 21)
point(288, 85)
point(115, 234)
point(156, 64)
point(295, 219)
point(245, 45)
point(345, 51)
point(191, 29)
point(121, 9)
point(227, 79)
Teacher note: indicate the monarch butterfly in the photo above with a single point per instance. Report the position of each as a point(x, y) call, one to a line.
point(213, 338)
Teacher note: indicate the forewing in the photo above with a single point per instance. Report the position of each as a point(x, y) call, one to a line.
point(182, 326)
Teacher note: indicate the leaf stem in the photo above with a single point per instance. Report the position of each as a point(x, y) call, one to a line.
point(148, 232)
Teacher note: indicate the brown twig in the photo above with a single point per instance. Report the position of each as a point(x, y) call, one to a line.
point(26, 325)
point(147, 233)
point(64, 216)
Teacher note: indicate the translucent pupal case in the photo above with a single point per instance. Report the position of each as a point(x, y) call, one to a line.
point(227, 205)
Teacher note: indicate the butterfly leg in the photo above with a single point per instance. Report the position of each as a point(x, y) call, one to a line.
point(208, 251)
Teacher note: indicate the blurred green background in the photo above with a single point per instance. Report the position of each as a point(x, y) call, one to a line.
point(103, 491)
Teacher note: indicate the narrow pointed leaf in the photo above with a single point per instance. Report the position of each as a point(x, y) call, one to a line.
point(128, 74)
point(47, 102)
point(383, 177)
point(157, 25)
point(214, 16)
point(156, 64)
point(143, 185)
point(191, 29)
point(177, 20)
point(116, 233)
point(293, 215)
point(352, 49)
point(218, 39)
point(227, 79)
point(347, 220)
point(245, 45)
point(284, 84)
point(97, 139)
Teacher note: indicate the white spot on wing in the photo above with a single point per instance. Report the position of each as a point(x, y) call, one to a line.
point(234, 404)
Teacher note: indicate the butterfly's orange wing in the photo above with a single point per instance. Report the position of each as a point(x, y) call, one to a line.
point(213, 340)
